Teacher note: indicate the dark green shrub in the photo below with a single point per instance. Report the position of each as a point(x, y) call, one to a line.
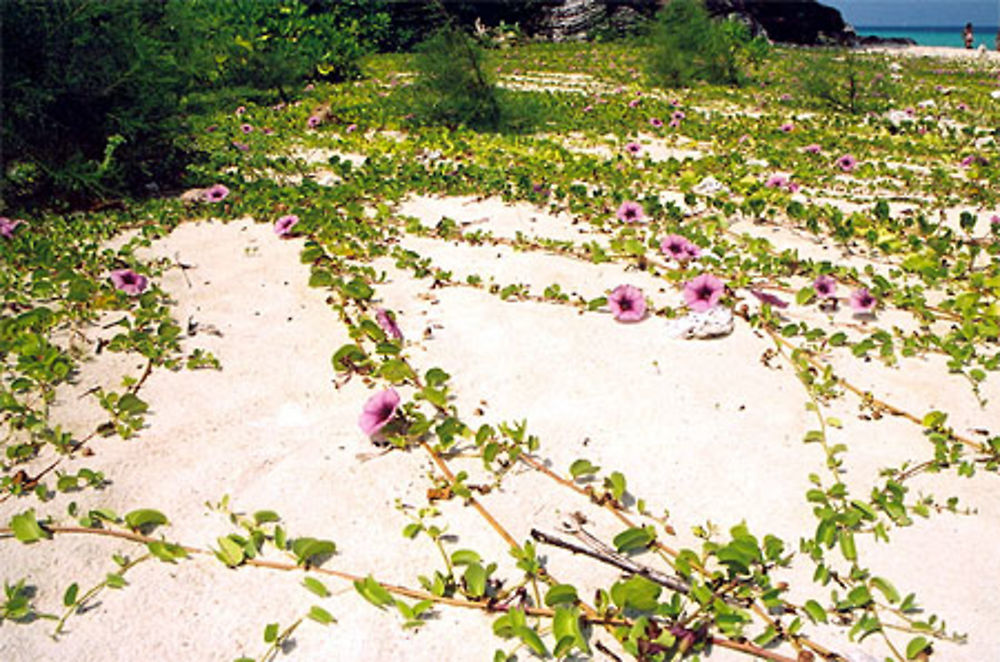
point(687, 45)
point(452, 86)
point(91, 97)
point(843, 82)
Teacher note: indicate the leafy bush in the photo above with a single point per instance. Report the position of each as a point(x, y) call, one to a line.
point(452, 86)
point(91, 97)
point(688, 45)
point(273, 44)
point(842, 82)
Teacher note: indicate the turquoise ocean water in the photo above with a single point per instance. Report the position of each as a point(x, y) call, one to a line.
point(936, 36)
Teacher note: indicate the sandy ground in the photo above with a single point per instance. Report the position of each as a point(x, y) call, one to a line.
point(702, 428)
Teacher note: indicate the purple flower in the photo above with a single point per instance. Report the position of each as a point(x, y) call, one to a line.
point(678, 115)
point(266, 131)
point(679, 248)
point(967, 161)
point(825, 286)
point(309, 88)
point(387, 323)
point(656, 122)
point(283, 226)
point(627, 303)
point(243, 147)
point(770, 299)
point(246, 128)
point(633, 148)
point(787, 127)
point(631, 212)
point(703, 292)
point(216, 193)
point(812, 149)
point(587, 108)
point(351, 128)
point(313, 121)
point(128, 281)
point(378, 411)
point(862, 301)
point(847, 162)
point(674, 124)
point(211, 128)
point(776, 181)
point(240, 110)
point(633, 103)
point(7, 227)
point(785, 97)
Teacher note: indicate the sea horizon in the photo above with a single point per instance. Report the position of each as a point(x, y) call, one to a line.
point(946, 35)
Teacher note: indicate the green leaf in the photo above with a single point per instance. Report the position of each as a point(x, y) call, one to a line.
point(373, 592)
point(531, 640)
point(230, 552)
point(634, 539)
point(265, 516)
point(916, 646)
point(582, 468)
point(465, 557)
point(26, 528)
point(436, 377)
point(145, 519)
point(475, 580)
point(804, 296)
point(114, 580)
point(166, 552)
point(358, 289)
point(566, 626)
point(270, 633)
point(561, 594)
point(320, 277)
point(305, 549)
point(411, 530)
point(132, 404)
point(934, 419)
point(69, 597)
point(316, 586)
point(636, 593)
point(320, 615)
point(815, 611)
point(348, 356)
point(887, 589)
point(847, 547)
point(616, 484)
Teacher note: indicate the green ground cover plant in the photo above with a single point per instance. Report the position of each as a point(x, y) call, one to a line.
point(775, 160)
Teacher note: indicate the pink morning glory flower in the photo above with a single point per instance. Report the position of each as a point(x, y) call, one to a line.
point(587, 108)
point(246, 128)
point(786, 97)
point(967, 161)
point(7, 227)
point(211, 128)
point(678, 115)
point(633, 103)
point(674, 124)
point(679, 248)
point(825, 286)
point(378, 411)
point(633, 148)
point(787, 127)
point(862, 301)
point(309, 87)
point(631, 212)
point(765, 297)
point(128, 281)
point(812, 149)
point(216, 193)
point(283, 226)
point(351, 128)
point(847, 163)
point(627, 303)
point(995, 219)
point(243, 147)
point(240, 110)
point(655, 122)
point(776, 181)
point(387, 323)
point(313, 121)
point(703, 292)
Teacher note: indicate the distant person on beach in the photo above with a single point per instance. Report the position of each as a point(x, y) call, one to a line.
point(967, 35)
point(996, 41)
